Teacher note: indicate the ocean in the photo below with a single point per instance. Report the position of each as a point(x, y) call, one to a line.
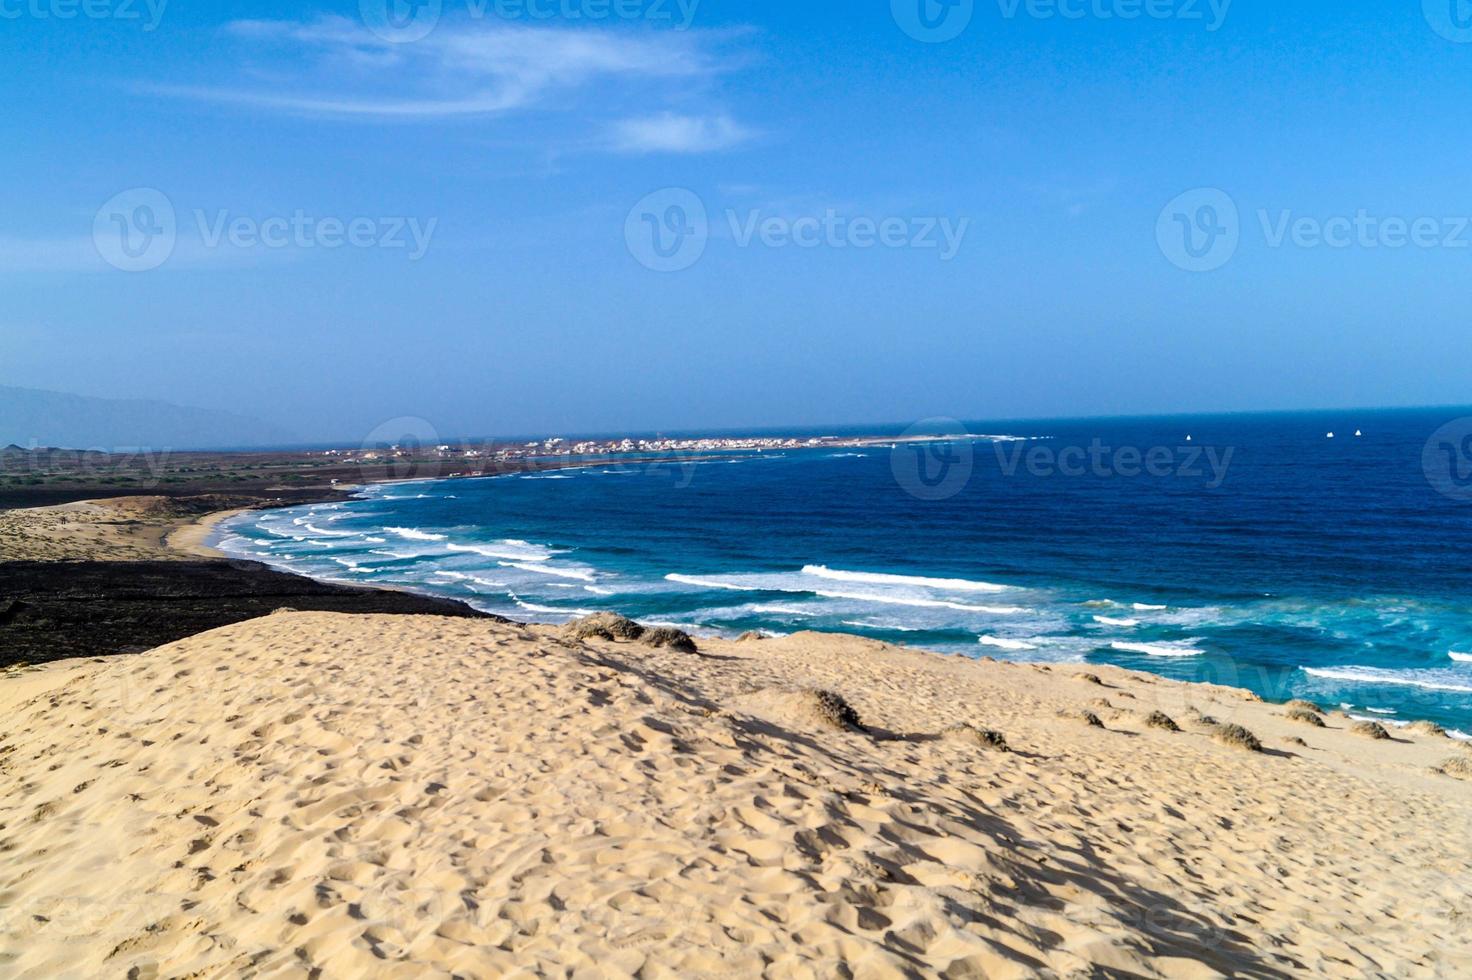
point(1251, 550)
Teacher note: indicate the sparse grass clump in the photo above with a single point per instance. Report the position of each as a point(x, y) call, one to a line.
point(1161, 720)
point(1370, 729)
point(832, 709)
point(981, 737)
point(603, 626)
point(1295, 740)
point(1237, 737)
point(1083, 715)
point(1302, 705)
point(666, 636)
point(1090, 678)
point(1428, 729)
point(1457, 767)
point(750, 636)
point(1305, 717)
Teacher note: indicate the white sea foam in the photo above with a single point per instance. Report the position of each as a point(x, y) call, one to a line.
point(876, 578)
point(533, 607)
point(1426, 680)
point(509, 549)
point(1146, 607)
point(1108, 621)
point(798, 584)
point(1002, 643)
point(1380, 711)
point(1458, 734)
point(1173, 648)
point(414, 534)
point(709, 583)
point(581, 574)
point(1465, 658)
point(896, 600)
point(881, 626)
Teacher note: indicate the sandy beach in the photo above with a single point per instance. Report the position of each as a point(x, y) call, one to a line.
point(317, 794)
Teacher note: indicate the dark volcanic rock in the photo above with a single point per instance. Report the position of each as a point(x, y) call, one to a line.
point(55, 610)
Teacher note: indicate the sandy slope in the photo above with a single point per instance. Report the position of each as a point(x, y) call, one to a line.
point(113, 529)
point(366, 796)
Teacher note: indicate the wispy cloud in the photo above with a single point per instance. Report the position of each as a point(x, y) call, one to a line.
point(672, 133)
point(336, 67)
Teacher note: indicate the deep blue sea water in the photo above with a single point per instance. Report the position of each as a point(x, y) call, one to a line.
point(1251, 550)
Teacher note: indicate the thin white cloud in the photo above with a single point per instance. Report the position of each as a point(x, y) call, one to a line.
point(334, 66)
point(672, 133)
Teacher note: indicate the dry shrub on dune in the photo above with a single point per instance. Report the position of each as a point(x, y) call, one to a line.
point(1161, 720)
point(668, 636)
point(1370, 729)
point(1237, 737)
point(981, 737)
point(1305, 717)
point(1428, 729)
point(1457, 767)
point(603, 626)
point(1302, 705)
point(802, 708)
point(1083, 715)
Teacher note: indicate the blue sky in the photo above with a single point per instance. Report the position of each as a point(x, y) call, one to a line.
point(500, 170)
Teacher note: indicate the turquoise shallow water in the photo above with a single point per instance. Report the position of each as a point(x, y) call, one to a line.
point(1248, 550)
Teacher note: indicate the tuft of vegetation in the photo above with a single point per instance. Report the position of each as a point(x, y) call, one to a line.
point(1457, 767)
point(667, 636)
point(1305, 717)
point(1428, 729)
point(1237, 737)
point(981, 737)
point(1161, 720)
point(603, 626)
point(1370, 729)
point(1302, 705)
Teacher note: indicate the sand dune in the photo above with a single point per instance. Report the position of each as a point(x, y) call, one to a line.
point(383, 796)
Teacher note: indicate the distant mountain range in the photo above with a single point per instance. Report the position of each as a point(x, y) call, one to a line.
point(30, 419)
